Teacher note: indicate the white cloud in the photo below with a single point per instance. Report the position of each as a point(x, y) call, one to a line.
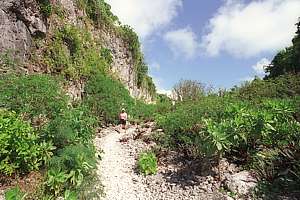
point(260, 66)
point(166, 92)
point(145, 16)
point(259, 69)
point(182, 42)
point(159, 86)
point(247, 78)
point(155, 66)
point(246, 30)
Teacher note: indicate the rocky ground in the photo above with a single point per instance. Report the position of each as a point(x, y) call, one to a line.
point(176, 178)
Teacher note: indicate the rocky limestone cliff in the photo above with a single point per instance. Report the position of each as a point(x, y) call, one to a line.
point(19, 21)
point(22, 21)
point(123, 65)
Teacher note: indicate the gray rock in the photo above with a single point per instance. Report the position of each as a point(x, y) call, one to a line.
point(68, 5)
point(241, 183)
point(123, 64)
point(19, 20)
point(75, 90)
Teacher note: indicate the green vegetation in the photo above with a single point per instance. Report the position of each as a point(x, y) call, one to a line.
point(98, 11)
point(283, 86)
point(71, 127)
point(147, 163)
point(287, 60)
point(255, 125)
point(106, 99)
point(45, 7)
point(14, 194)
point(33, 95)
point(70, 168)
point(46, 132)
point(21, 149)
point(74, 54)
point(261, 134)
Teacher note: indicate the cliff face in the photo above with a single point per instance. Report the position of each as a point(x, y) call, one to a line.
point(22, 21)
point(19, 21)
point(123, 65)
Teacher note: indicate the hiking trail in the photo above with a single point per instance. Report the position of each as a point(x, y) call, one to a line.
point(121, 180)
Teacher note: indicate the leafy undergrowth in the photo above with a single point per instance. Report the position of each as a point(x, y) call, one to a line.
point(14, 194)
point(147, 163)
point(260, 133)
point(51, 136)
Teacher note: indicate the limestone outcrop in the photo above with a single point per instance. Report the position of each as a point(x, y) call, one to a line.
point(21, 21)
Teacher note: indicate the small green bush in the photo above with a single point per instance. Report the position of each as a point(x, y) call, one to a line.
point(106, 54)
point(20, 146)
point(45, 7)
point(14, 194)
point(147, 163)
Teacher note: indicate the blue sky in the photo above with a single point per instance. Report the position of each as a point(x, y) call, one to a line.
point(217, 42)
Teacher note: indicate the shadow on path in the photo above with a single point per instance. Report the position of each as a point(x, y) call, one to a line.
point(183, 172)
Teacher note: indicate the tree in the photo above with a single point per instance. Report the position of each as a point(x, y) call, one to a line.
point(286, 61)
point(296, 44)
point(188, 90)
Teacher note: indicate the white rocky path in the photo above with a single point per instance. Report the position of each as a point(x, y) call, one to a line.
point(116, 168)
point(117, 171)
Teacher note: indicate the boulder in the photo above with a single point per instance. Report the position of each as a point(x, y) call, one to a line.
point(241, 183)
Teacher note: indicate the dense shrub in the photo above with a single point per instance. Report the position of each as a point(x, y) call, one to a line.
point(68, 169)
point(32, 95)
point(20, 145)
point(187, 114)
point(73, 126)
point(283, 86)
point(73, 53)
point(106, 96)
point(287, 60)
point(262, 135)
point(98, 11)
point(70, 128)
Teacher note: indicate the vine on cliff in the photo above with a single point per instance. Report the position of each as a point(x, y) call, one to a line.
point(98, 11)
point(132, 39)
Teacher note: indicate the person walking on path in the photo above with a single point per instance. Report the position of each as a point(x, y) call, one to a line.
point(123, 118)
